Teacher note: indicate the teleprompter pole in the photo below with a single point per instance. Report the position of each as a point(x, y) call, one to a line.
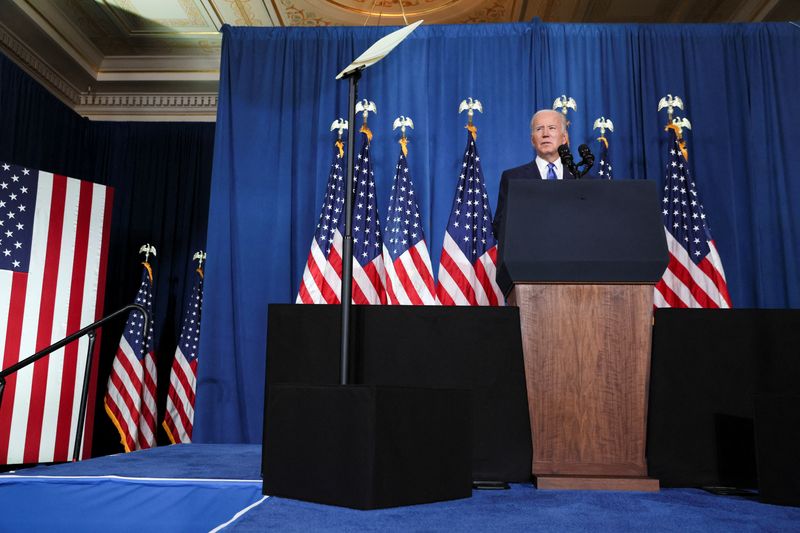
point(347, 246)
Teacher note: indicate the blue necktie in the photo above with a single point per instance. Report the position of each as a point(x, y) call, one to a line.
point(551, 171)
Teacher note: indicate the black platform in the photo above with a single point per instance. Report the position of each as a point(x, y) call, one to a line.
point(367, 447)
point(708, 367)
point(473, 348)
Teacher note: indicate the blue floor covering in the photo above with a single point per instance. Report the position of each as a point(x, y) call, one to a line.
point(217, 488)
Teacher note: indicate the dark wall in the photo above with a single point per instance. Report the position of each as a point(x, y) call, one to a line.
point(161, 175)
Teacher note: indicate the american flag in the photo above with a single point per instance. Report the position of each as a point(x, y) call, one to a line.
point(321, 284)
point(694, 276)
point(179, 418)
point(469, 254)
point(409, 276)
point(131, 397)
point(53, 249)
point(604, 167)
point(368, 271)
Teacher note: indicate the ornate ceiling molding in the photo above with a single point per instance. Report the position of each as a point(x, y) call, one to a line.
point(166, 106)
point(36, 67)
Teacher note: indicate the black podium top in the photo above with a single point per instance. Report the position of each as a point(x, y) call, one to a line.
point(581, 231)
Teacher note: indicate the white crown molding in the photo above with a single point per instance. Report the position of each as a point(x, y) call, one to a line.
point(160, 68)
point(149, 107)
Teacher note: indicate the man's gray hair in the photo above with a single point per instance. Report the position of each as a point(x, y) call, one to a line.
point(560, 115)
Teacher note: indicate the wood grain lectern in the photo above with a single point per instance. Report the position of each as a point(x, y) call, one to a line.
point(580, 258)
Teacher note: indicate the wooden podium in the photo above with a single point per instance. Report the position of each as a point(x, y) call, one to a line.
point(580, 259)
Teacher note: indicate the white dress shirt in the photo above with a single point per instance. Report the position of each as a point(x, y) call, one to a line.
point(542, 165)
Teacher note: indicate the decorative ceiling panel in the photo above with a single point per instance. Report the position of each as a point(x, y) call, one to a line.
point(392, 12)
point(151, 59)
point(160, 16)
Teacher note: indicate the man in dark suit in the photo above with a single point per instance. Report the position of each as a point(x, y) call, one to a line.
point(548, 132)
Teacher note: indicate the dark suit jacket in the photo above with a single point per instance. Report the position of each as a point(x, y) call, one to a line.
point(526, 171)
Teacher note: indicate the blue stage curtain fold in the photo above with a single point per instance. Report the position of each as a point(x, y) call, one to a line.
point(278, 98)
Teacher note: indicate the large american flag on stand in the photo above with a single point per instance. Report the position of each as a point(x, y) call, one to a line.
point(469, 254)
point(131, 397)
point(179, 417)
point(53, 249)
point(694, 276)
point(409, 275)
point(321, 283)
point(368, 270)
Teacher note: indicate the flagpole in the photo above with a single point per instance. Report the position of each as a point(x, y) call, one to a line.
point(347, 245)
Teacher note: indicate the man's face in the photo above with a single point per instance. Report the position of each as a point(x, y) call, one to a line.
point(548, 135)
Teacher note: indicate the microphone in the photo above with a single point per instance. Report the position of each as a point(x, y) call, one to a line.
point(567, 160)
point(587, 155)
point(587, 158)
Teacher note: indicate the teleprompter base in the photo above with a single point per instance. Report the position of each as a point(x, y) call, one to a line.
point(553, 482)
point(367, 447)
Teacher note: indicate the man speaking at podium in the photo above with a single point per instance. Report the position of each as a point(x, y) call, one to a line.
point(548, 132)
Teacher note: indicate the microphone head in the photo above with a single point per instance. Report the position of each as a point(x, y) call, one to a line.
point(587, 158)
point(563, 150)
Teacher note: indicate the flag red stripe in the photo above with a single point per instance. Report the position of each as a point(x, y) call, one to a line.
point(391, 297)
point(116, 415)
point(183, 379)
point(669, 295)
point(682, 273)
point(69, 370)
point(148, 415)
point(130, 403)
point(406, 281)
point(714, 275)
point(131, 373)
point(98, 313)
point(180, 409)
point(303, 295)
point(19, 287)
point(495, 289)
point(423, 269)
point(461, 281)
point(358, 295)
point(444, 297)
point(319, 279)
point(375, 278)
point(485, 281)
point(328, 294)
point(44, 334)
point(190, 392)
point(335, 261)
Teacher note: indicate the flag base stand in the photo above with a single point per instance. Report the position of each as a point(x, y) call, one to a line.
point(367, 447)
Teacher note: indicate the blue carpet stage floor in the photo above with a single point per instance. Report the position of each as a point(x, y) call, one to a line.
point(217, 488)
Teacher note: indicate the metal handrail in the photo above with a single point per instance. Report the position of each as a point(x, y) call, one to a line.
point(90, 331)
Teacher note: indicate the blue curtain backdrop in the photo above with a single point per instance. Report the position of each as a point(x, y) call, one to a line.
point(278, 98)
